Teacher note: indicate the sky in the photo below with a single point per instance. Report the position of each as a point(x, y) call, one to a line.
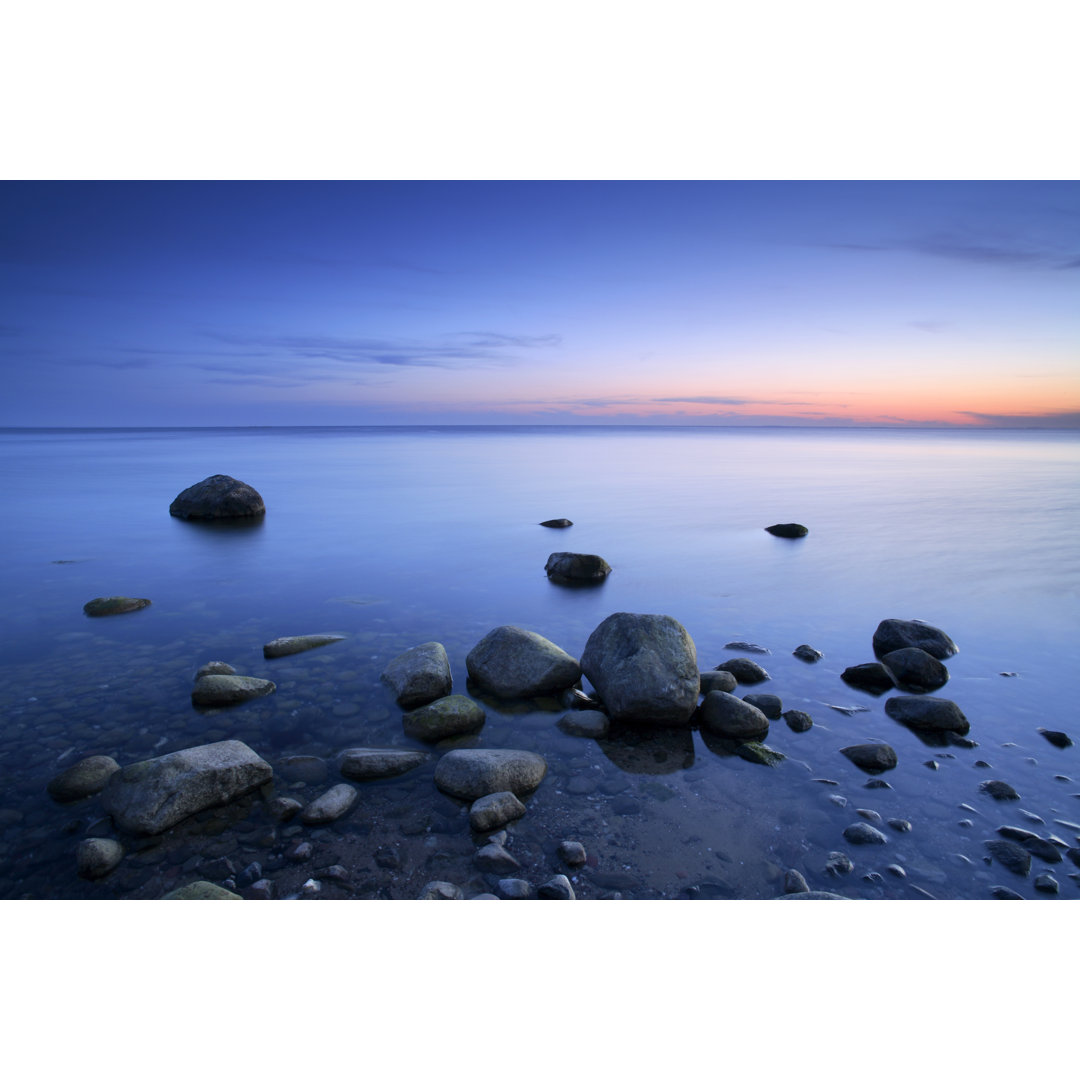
point(859, 303)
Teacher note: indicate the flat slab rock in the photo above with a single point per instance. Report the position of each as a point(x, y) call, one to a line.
point(218, 496)
point(151, 796)
point(211, 690)
point(114, 605)
point(373, 763)
point(286, 646)
point(472, 774)
point(85, 777)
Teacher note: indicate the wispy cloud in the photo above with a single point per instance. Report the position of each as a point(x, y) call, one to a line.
point(1069, 420)
point(987, 250)
point(931, 326)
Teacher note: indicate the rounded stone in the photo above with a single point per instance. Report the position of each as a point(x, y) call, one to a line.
point(85, 777)
point(471, 774)
point(927, 714)
point(218, 690)
point(893, 634)
point(441, 890)
point(794, 882)
point(862, 832)
point(798, 720)
point(808, 654)
point(372, 763)
point(97, 856)
point(769, 704)
point(998, 789)
point(514, 663)
point(330, 806)
point(790, 530)
point(571, 566)
point(495, 810)
point(287, 646)
point(873, 677)
point(718, 680)
point(444, 719)
point(419, 675)
point(557, 523)
point(871, 757)
point(587, 723)
point(215, 667)
point(733, 718)
point(572, 853)
point(558, 888)
point(201, 890)
point(915, 670)
point(218, 496)
point(747, 672)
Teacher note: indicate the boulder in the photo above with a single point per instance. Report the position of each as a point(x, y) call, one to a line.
point(998, 789)
point(747, 672)
point(644, 668)
point(419, 675)
point(587, 723)
point(718, 680)
point(759, 754)
point(514, 663)
point(769, 704)
point(915, 670)
point(794, 882)
point(216, 690)
point(1012, 856)
point(862, 832)
point(150, 796)
point(97, 856)
point(443, 719)
point(557, 523)
point(789, 530)
point(569, 566)
point(215, 497)
point(893, 634)
point(1029, 841)
point(286, 646)
point(330, 806)
point(472, 774)
point(495, 810)
point(373, 763)
point(874, 677)
point(201, 890)
point(871, 757)
point(1055, 738)
point(732, 718)
point(808, 654)
point(114, 605)
point(928, 714)
point(85, 777)
point(798, 720)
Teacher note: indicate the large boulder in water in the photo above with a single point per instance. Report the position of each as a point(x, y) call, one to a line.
point(915, 670)
point(472, 774)
point(928, 714)
point(730, 717)
point(419, 675)
point(644, 668)
point(569, 567)
point(150, 796)
point(218, 496)
point(515, 663)
point(893, 634)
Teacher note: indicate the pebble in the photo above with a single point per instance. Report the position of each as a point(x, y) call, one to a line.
point(558, 888)
point(900, 824)
point(572, 853)
point(873, 877)
point(838, 863)
point(798, 720)
point(1012, 856)
point(330, 806)
point(311, 887)
point(870, 815)
point(931, 764)
point(283, 808)
point(897, 870)
point(300, 852)
point(839, 800)
point(495, 859)
point(263, 889)
point(495, 810)
point(440, 890)
point(966, 823)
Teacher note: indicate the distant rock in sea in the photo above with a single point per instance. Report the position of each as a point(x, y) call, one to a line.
point(789, 530)
point(557, 523)
point(218, 497)
point(114, 605)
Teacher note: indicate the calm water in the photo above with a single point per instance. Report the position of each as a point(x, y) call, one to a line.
point(399, 536)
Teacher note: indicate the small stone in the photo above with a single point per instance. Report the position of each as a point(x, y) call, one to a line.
point(373, 763)
point(514, 889)
point(565, 567)
point(495, 859)
point(572, 853)
point(748, 646)
point(998, 789)
point(871, 757)
point(747, 672)
point(114, 605)
point(250, 874)
point(86, 777)
point(557, 523)
point(896, 870)
point(300, 852)
point(966, 823)
point(932, 765)
point(869, 815)
point(838, 800)
point(798, 720)
point(1012, 856)
point(876, 784)
point(419, 675)
point(311, 888)
point(283, 808)
point(872, 677)
point(495, 810)
point(769, 704)
point(838, 863)
point(443, 719)
point(794, 882)
point(1056, 738)
point(863, 833)
point(558, 888)
point(1047, 883)
point(899, 824)
point(717, 680)
point(808, 654)
point(96, 857)
point(330, 806)
point(759, 753)
point(263, 889)
point(440, 890)
point(874, 878)
point(287, 646)
point(586, 723)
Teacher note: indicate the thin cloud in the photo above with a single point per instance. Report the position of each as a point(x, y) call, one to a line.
point(1070, 420)
point(982, 250)
point(931, 326)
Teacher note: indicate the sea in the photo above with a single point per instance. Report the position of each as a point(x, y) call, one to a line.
point(396, 536)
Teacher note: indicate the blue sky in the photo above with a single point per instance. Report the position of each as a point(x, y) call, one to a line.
point(907, 303)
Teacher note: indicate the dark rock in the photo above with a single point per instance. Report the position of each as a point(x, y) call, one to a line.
point(588, 723)
point(877, 784)
point(746, 671)
point(514, 889)
point(893, 634)
point(218, 497)
point(758, 753)
point(838, 863)
point(790, 530)
point(471, 774)
point(798, 720)
point(283, 808)
point(644, 668)
point(717, 680)
point(874, 677)
point(1032, 842)
point(495, 810)
point(287, 646)
point(870, 815)
point(387, 857)
point(748, 646)
point(572, 853)
point(440, 890)
point(372, 763)
point(1012, 856)
point(871, 757)
point(732, 718)
point(900, 824)
point(330, 806)
point(95, 857)
point(263, 889)
point(1057, 738)
point(1002, 892)
point(220, 690)
point(443, 719)
point(514, 663)
point(927, 714)
point(215, 667)
point(998, 789)
point(769, 704)
point(808, 654)
point(114, 605)
point(557, 523)
point(85, 777)
point(558, 888)
point(419, 675)
point(569, 567)
point(150, 796)
point(915, 670)
point(251, 873)
point(863, 832)
point(300, 852)
point(794, 882)
point(1046, 883)
point(816, 894)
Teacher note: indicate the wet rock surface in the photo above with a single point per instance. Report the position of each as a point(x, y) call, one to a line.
point(443, 719)
point(928, 714)
point(569, 567)
point(114, 605)
point(217, 497)
point(915, 670)
point(472, 774)
point(83, 779)
point(893, 634)
point(733, 718)
point(789, 530)
point(747, 672)
point(514, 663)
point(871, 757)
point(212, 691)
point(374, 763)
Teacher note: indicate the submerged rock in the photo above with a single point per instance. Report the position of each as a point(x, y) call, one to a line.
point(998, 789)
point(286, 646)
point(114, 605)
point(441, 890)
point(494, 811)
point(733, 718)
point(1012, 856)
point(85, 777)
point(572, 853)
point(150, 796)
point(218, 496)
point(419, 675)
point(1032, 842)
point(862, 832)
point(514, 663)
point(874, 677)
point(374, 763)
point(928, 714)
point(495, 859)
point(97, 856)
point(794, 882)
point(871, 757)
point(569, 566)
point(769, 704)
point(215, 667)
point(330, 806)
point(644, 668)
point(471, 774)
point(798, 720)
point(915, 670)
point(893, 634)
point(790, 530)
point(759, 753)
point(558, 888)
point(745, 671)
point(217, 690)
point(587, 723)
point(443, 719)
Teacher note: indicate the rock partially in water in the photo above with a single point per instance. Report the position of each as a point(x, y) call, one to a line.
point(287, 646)
point(557, 523)
point(746, 671)
point(915, 670)
point(759, 754)
point(733, 718)
point(150, 796)
point(900, 824)
point(216, 497)
point(871, 757)
point(375, 763)
point(808, 654)
point(798, 720)
point(96, 856)
point(330, 806)
point(514, 889)
point(789, 530)
point(419, 675)
point(893, 634)
point(769, 704)
point(998, 789)
point(201, 890)
point(873, 677)
point(494, 811)
point(862, 832)
point(1047, 883)
point(928, 714)
point(471, 774)
point(717, 680)
point(644, 668)
point(570, 567)
point(1003, 892)
point(441, 890)
point(794, 882)
point(443, 719)
point(558, 888)
point(838, 863)
point(1012, 856)
point(514, 663)
point(748, 646)
point(1056, 738)
point(283, 808)
point(587, 723)
point(85, 777)
point(1032, 842)
point(114, 605)
point(220, 690)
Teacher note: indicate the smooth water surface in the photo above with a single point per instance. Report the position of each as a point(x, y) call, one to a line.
point(397, 536)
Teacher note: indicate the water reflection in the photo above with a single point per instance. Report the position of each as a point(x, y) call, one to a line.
point(653, 751)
